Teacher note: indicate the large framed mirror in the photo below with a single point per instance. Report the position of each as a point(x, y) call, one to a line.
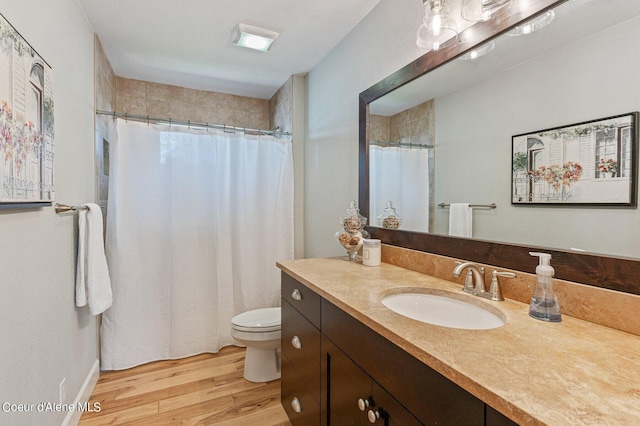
point(580, 67)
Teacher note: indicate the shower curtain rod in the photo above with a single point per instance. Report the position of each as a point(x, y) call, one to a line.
point(194, 124)
point(401, 144)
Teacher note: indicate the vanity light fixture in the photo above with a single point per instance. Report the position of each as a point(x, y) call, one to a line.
point(478, 52)
point(534, 24)
point(483, 10)
point(438, 29)
point(254, 37)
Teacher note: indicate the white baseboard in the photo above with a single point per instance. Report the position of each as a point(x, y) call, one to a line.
point(73, 417)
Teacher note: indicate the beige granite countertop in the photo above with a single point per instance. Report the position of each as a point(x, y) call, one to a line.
point(568, 373)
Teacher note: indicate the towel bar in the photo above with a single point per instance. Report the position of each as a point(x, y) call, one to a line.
point(63, 208)
point(484, 206)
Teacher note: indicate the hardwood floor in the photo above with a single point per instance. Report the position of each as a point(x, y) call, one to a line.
point(205, 389)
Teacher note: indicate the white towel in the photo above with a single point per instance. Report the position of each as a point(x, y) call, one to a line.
point(460, 220)
point(93, 285)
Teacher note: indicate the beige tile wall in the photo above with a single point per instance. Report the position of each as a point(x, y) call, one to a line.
point(415, 125)
point(379, 128)
point(138, 97)
point(105, 93)
point(105, 79)
point(281, 108)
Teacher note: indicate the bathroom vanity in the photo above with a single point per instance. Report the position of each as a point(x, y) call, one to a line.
point(347, 359)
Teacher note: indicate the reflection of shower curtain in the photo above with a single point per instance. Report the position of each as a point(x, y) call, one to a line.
point(400, 175)
point(195, 224)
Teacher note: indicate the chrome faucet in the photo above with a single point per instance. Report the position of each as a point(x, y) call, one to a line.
point(474, 281)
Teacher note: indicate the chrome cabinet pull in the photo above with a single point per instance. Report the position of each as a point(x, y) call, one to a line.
point(295, 404)
point(363, 404)
point(296, 342)
point(373, 416)
point(296, 295)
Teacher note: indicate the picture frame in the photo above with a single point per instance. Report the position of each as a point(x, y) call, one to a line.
point(26, 123)
point(591, 163)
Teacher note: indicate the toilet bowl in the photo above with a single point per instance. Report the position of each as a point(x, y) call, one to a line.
point(259, 331)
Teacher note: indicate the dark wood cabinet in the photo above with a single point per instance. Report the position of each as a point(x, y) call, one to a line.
point(353, 397)
point(300, 342)
point(338, 371)
point(301, 407)
point(429, 396)
point(495, 418)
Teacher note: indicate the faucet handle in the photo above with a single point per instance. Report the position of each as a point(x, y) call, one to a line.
point(494, 290)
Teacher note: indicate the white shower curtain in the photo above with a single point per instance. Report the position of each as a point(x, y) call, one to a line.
point(196, 221)
point(400, 175)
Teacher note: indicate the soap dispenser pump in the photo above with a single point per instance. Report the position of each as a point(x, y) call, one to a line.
point(544, 303)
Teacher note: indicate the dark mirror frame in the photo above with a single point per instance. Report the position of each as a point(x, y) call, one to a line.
point(615, 273)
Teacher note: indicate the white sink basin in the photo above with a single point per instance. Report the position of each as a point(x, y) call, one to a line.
point(445, 311)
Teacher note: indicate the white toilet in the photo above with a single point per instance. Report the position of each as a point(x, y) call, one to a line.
point(259, 331)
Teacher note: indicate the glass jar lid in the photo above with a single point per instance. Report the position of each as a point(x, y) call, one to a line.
point(389, 219)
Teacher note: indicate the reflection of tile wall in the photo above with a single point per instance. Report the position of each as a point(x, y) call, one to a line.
point(163, 101)
point(415, 125)
point(379, 128)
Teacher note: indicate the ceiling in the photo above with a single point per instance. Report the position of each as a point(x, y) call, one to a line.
point(187, 43)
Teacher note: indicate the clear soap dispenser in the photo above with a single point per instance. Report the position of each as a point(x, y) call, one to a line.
point(544, 303)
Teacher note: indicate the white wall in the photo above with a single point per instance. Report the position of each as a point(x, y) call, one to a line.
point(44, 338)
point(383, 42)
point(545, 92)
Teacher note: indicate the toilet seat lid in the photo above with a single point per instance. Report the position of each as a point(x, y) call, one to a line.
point(258, 320)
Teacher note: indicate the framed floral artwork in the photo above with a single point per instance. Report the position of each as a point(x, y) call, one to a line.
point(589, 163)
point(26, 123)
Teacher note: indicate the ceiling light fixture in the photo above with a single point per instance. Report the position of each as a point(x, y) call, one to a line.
point(253, 37)
point(438, 29)
point(535, 24)
point(483, 10)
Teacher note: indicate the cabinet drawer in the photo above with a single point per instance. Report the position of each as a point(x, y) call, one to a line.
point(301, 346)
point(294, 393)
point(304, 300)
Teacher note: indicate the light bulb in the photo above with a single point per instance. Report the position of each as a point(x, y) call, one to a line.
point(483, 10)
point(438, 29)
point(534, 24)
point(478, 52)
